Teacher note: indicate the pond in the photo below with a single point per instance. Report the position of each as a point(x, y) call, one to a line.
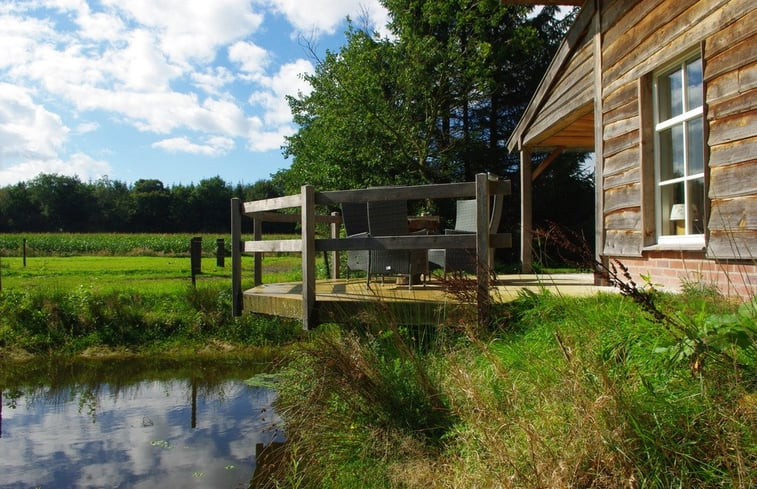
point(133, 423)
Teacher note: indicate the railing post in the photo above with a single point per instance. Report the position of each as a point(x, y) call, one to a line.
point(257, 230)
point(335, 254)
point(482, 248)
point(308, 255)
point(236, 257)
point(526, 216)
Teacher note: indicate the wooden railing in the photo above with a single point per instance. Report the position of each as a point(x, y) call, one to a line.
point(485, 240)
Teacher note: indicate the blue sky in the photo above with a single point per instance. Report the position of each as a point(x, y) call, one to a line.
point(177, 90)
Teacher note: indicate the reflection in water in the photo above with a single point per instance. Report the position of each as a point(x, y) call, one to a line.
point(148, 432)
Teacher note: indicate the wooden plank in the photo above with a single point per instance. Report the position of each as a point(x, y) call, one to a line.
point(733, 180)
point(622, 243)
point(413, 192)
point(620, 143)
point(646, 161)
point(729, 153)
point(620, 96)
point(279, 217)
point(572, 40)
point(734, 214)
point(748, 77)
point(482, 249)
point(308, 256)
point(576, 75)
point(334, 234)
point(734, 128)
point(622, 161)
point(624, 197)
point(632, 175)
point(733, 245)
point(600, 151)
point(625, 111)
point(272, 204)
point(629, 219)
point(571, 110)
point(236, 257)
point(674, 40)
point(743, 102)
point(737, 55)
point(547, 161)
point(419, 242)
point(257, 231)
point(500, 187)
point(631, 33)
point(620, 128)
point(273, 246)
point(729, 35)
point(620, 17)
point(526, 212)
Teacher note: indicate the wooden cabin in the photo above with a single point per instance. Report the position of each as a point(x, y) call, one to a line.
point(664, 93)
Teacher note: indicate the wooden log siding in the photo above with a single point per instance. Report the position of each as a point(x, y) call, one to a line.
point(730, 74)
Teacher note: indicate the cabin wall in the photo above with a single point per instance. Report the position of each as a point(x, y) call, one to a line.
point(637, 39)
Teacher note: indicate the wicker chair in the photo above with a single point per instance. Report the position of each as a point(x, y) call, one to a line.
point(389, 218)
point(355, 218)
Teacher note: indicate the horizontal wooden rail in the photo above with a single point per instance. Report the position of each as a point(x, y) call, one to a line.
point(375, 194)
point(273, 204)
point(279, 217)
point(378, 243)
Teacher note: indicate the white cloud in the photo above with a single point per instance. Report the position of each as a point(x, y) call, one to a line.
point(192, 30)
point(213, 146)
point(86, 127)
point(79, 164)
point(250, 57)
point(213, 79)
point(27, 130)
point(288, 81)
point(323, 16)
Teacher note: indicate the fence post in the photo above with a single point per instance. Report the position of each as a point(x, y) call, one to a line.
point(24, 252)
point(220, 253)
point(335, 253)
point(257, 230)
point(195, 256)
point(236, 257)
point(308, 255)
point(483, 267)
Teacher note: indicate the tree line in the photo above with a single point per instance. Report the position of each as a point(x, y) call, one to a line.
point(60, 203)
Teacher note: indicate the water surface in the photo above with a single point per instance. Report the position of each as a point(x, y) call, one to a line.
point(133, 424)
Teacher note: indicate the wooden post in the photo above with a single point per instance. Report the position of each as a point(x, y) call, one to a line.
point(24, 252)
point(599, 213)
point(308, 255)
point(482, 248)
point(335, 253)
point(220, 253)
point(257, 230)
point(526, 216)
point(236, 257)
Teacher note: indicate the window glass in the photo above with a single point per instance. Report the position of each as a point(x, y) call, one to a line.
point(694, 84)
point(673, 209)
point(671, 153)
point(670, 95)
point(695, 198)
point(695, 146)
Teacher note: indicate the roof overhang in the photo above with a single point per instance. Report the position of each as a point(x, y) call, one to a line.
point(572, 127)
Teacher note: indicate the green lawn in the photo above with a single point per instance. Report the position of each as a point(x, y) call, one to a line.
point(139, 273)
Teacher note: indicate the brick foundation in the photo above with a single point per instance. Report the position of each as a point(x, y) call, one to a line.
point(669, 269)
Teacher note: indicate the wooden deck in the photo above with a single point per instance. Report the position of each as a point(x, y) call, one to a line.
point(337, 300)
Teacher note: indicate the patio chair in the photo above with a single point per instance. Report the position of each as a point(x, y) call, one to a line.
point(458, 259)
point(461, 259)
point(355, 218)
point(389, 218)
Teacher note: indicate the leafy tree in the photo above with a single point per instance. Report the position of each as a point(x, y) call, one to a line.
point(151, 201)
point(112, 205)
point(64, 202)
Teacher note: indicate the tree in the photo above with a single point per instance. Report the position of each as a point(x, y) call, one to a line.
point(151, 201)
point(64, 202)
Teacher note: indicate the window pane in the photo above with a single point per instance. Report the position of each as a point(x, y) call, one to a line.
point(695, 146)
point(694, 84)
point(670, 96)
point(672, 208)
point(671, 153)
point(696, 206)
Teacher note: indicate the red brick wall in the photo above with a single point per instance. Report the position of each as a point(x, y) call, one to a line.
point(668, 269)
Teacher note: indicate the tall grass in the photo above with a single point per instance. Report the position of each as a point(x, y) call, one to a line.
point(559, 392)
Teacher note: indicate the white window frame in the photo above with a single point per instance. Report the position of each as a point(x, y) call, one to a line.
point(689, 114)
